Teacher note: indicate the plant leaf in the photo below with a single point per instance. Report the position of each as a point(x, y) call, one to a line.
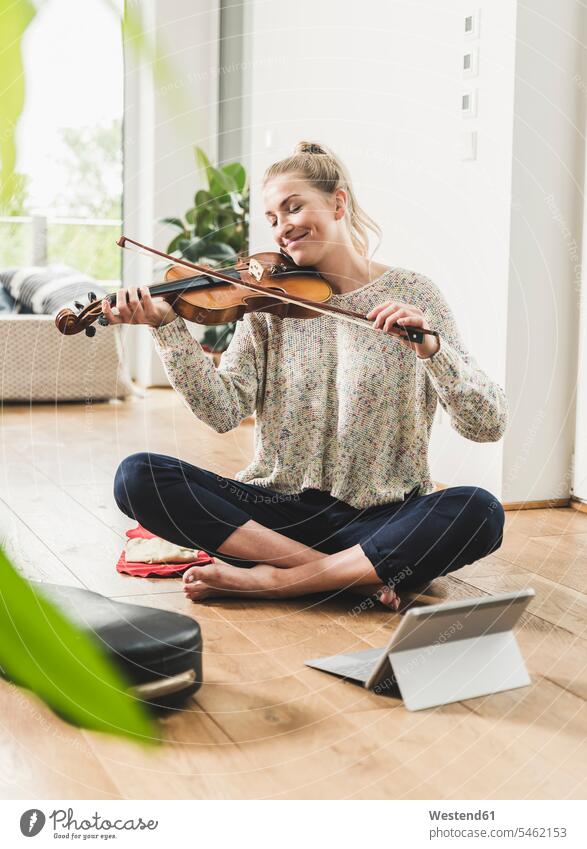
point(219, 250)
point(193, 251)
point(206, 226)
point(175, 243)
point(175, 222)
point(15, 17)
point(42, 650)
point(199, 248)
point(202, 160)
point(235, 198)
point(220, 184)
point(236, 171)
point(202, 197)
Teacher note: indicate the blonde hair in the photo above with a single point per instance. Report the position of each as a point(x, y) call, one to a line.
point(323, 170)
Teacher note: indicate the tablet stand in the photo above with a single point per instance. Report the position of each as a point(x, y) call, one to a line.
point(438, 674)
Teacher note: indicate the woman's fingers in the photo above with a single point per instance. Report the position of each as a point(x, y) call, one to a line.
point(136, 306)
point(414, 319)
point(108, 312)
point(377, 309)
point(122, 306)
point(388, 318)
point(128, 307)
point(385, 315)
point(149, 311)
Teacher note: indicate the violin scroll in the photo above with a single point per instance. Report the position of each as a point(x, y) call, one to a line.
point(69, 323)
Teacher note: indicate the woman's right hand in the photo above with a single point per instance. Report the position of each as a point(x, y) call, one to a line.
point(132, 309)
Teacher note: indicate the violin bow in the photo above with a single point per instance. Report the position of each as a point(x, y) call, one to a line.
point(414, 334)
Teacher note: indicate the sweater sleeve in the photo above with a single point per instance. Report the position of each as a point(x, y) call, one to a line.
point(221, 397)
point(477, 406)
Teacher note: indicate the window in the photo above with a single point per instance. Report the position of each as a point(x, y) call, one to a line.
point(68, 205)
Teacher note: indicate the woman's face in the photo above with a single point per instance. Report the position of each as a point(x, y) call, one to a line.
point(304, 221)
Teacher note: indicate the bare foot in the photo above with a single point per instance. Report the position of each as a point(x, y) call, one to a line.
point(388, 597)
point(199, 591)
point(222, 579)
point(262, 581)
point(381, 592)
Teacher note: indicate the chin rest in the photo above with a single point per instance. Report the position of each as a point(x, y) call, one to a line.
point(158, 651)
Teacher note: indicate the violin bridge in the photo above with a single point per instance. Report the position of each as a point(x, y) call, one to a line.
point(256, 269)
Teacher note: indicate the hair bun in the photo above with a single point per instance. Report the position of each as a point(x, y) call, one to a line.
point(309, 147)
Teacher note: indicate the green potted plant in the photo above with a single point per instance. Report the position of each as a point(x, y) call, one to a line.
point(215, 230)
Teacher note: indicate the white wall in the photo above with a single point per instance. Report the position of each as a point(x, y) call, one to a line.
point(382, 85)
point(580, 459)
point(545, 272)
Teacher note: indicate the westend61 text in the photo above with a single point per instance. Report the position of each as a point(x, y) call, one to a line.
point(461, 815)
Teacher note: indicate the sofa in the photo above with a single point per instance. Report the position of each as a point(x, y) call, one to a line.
point(38, 363)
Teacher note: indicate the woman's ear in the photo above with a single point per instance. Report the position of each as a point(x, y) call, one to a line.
point(340, 204)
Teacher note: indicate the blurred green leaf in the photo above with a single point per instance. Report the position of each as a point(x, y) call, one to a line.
point(220, 251)
point(221, 185)
point(200, 248)
point(205, 224)
point(42, 650)
point(175, 222)
point(235, 203)
point(202, 197)
point(175, 243)
point(238, 174)
point(217, 337)
point(15, 17)
point(202, 160)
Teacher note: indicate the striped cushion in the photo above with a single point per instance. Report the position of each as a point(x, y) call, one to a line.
point(44, 290)
point(7, 303)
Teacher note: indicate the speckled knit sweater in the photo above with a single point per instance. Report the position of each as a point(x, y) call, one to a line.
point(339, 408)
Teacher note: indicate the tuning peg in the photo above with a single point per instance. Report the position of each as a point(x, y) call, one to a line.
point(90, 331)
point(102, 320)
point(78, 306)
point(92, 296)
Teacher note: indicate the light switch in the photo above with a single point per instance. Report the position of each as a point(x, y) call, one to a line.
point(468, 145)
point(471, 24)
point(469, 103)
point(471, 62)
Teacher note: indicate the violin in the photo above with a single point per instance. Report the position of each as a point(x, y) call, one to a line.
point(265, 282)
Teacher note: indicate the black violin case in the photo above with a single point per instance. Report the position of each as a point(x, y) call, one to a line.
point(159, 652)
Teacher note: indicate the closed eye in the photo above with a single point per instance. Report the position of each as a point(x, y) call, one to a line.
point(292, 210)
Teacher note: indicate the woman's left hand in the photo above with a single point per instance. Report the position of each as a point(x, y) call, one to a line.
point(385, 315)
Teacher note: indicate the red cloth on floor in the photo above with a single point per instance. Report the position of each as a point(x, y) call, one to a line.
point(156, 570)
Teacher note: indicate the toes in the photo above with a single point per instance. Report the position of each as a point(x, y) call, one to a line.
point(196, 591)
point(208, 573)
point(190, 575)
point(388, 597)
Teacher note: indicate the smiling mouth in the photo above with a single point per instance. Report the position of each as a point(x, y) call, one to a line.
point(294, 242)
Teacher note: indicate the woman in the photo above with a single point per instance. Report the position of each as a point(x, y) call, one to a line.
point(338, 494)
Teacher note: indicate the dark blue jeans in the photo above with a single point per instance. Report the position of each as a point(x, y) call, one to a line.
point(409, 542)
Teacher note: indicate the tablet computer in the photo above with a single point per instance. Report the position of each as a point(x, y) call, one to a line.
point(443, 652)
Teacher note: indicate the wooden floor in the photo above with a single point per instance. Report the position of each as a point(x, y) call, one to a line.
point(264, 725)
